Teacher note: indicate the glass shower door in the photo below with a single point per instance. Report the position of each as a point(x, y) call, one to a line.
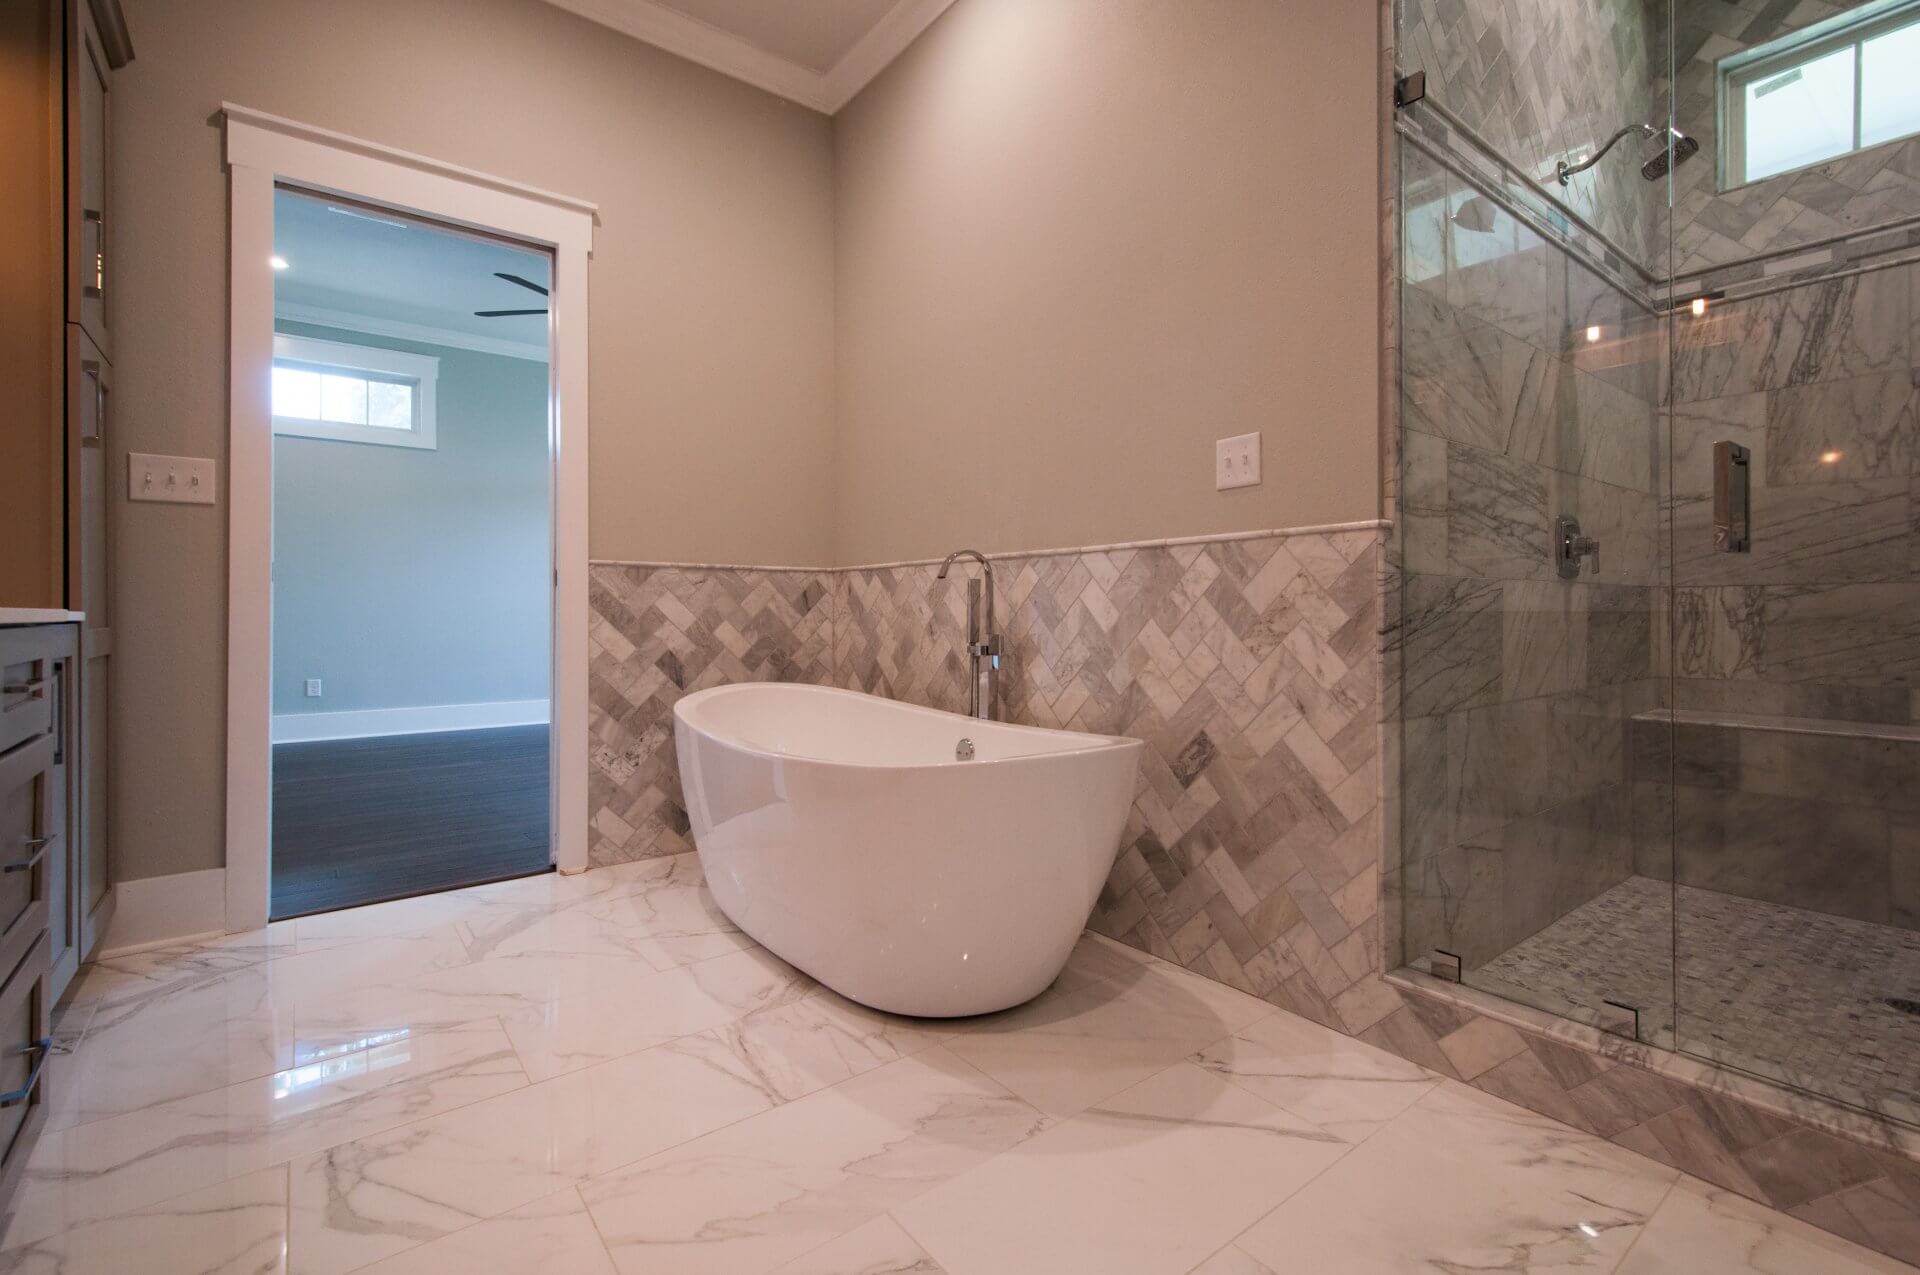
point(1529, 647)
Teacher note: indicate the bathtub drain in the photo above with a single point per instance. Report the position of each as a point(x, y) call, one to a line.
point(963, 751)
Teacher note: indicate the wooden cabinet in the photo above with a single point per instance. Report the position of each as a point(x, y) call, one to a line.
point(57, 60)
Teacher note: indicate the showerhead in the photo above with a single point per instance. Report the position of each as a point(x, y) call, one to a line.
point(1679, 149)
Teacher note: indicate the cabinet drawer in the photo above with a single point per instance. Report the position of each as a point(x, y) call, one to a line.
point(26, 695)
point(23, 1052)
point(30, 840)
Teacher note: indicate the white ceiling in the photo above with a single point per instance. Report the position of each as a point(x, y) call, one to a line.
point(405, 275)
point(819, 53)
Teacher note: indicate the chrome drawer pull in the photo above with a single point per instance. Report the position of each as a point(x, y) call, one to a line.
point(39, 847)
point(43, 1047)
point(34, 689)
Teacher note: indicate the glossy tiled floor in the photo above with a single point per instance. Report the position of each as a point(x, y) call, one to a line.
point(597, 1074)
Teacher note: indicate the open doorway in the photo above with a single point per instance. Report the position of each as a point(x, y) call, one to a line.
point(413, 559)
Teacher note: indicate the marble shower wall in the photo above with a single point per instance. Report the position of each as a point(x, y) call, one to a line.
point(1544, 82)
point(1713, 228)
point(1528, 392)
point(1820, 621)
point(1250, 668)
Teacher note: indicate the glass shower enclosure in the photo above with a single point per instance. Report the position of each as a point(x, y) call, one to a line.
point(1657, 523)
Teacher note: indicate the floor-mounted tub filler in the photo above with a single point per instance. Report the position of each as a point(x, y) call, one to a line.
point(913, 860)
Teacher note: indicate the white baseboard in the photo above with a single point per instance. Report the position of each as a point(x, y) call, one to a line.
point(155, 910)
point(366, 723)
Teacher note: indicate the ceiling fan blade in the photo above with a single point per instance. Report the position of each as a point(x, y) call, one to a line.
point(503, 314)
point(525, 283)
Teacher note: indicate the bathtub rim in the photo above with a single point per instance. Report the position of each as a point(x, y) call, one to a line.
point(688, 704)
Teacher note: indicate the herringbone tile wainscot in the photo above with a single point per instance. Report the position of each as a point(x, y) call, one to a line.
point(657, 633)
point(1250, 668)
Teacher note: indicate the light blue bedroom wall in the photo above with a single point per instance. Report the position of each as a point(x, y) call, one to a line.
point(405, 577)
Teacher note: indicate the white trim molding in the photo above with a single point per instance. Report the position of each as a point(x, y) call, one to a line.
point(261, 151)
point(320, 316)
point(425, 719)
point(667, 28)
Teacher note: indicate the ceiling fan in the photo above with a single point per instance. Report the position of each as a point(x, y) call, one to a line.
point(505, 314)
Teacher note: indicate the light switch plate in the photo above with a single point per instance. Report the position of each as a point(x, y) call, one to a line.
point(181, 480)
point(1236, 462)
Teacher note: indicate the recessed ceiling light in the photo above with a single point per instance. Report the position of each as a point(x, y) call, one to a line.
point(277, 262)
point(1831, 458)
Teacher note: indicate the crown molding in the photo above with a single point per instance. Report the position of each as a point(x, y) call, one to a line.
point(877, 49)
point(425, 334)
point(669, 29)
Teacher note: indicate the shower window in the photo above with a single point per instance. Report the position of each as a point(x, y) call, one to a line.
point(1821, 94)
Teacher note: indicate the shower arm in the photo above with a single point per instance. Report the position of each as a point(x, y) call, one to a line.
point(1566, 170)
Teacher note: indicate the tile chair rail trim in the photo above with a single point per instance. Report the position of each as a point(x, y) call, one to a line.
point(1007, 555)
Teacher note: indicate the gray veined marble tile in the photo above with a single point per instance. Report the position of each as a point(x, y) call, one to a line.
point(1544, 638)
point(1450, 644)
point(1151, 1180)
point(235, 1227)
point(766, 1190)
point(1836, 430)
point(1827, 331)
point(1498, 523)
point(1468, 1183)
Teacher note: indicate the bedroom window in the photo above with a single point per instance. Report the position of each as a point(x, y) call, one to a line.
point(1835, 88)
point(353, 393)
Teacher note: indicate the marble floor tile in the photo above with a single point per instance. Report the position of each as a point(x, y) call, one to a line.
point(1066, 1050)
point(553, 1234)
point(1340, 1084)
point(598, 1074)
point(1703, 1231)
point(760, 1193)
point(584, 1022)
point(192, 1038)
point(369, 1199)
point(1150, 1180)
point(1232, 1260)
point(878, 1248)
point(111, 1166)
point(1464, 1181)
point(235, 1227)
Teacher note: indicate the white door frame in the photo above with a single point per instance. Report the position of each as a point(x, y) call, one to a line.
point(264, 149)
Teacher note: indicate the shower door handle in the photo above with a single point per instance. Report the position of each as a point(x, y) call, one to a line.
point(1732, 498)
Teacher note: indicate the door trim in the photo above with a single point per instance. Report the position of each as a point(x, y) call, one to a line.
point(262, 150)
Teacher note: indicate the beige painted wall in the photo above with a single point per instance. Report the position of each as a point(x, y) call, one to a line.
point(1078, 241)
point(711, 301)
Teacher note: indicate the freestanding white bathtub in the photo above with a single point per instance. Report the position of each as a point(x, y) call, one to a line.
point(844, 833)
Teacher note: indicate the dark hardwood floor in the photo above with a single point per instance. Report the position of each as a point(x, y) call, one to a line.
point(360, 820)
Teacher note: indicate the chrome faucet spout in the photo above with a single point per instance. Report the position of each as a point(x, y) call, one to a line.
point(983, 642)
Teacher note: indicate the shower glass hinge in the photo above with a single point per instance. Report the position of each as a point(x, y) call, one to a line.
point(1620, 1019)
point(1409, 89)
point(1444, 965)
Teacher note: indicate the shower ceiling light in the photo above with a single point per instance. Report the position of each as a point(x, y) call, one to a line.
point(1593, 334)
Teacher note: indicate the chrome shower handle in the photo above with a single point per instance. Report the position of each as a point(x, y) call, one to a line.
point(1732, 498)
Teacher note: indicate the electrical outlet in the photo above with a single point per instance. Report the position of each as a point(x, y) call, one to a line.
point(1236, 462)
point(181, 480)
point(313, 688)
